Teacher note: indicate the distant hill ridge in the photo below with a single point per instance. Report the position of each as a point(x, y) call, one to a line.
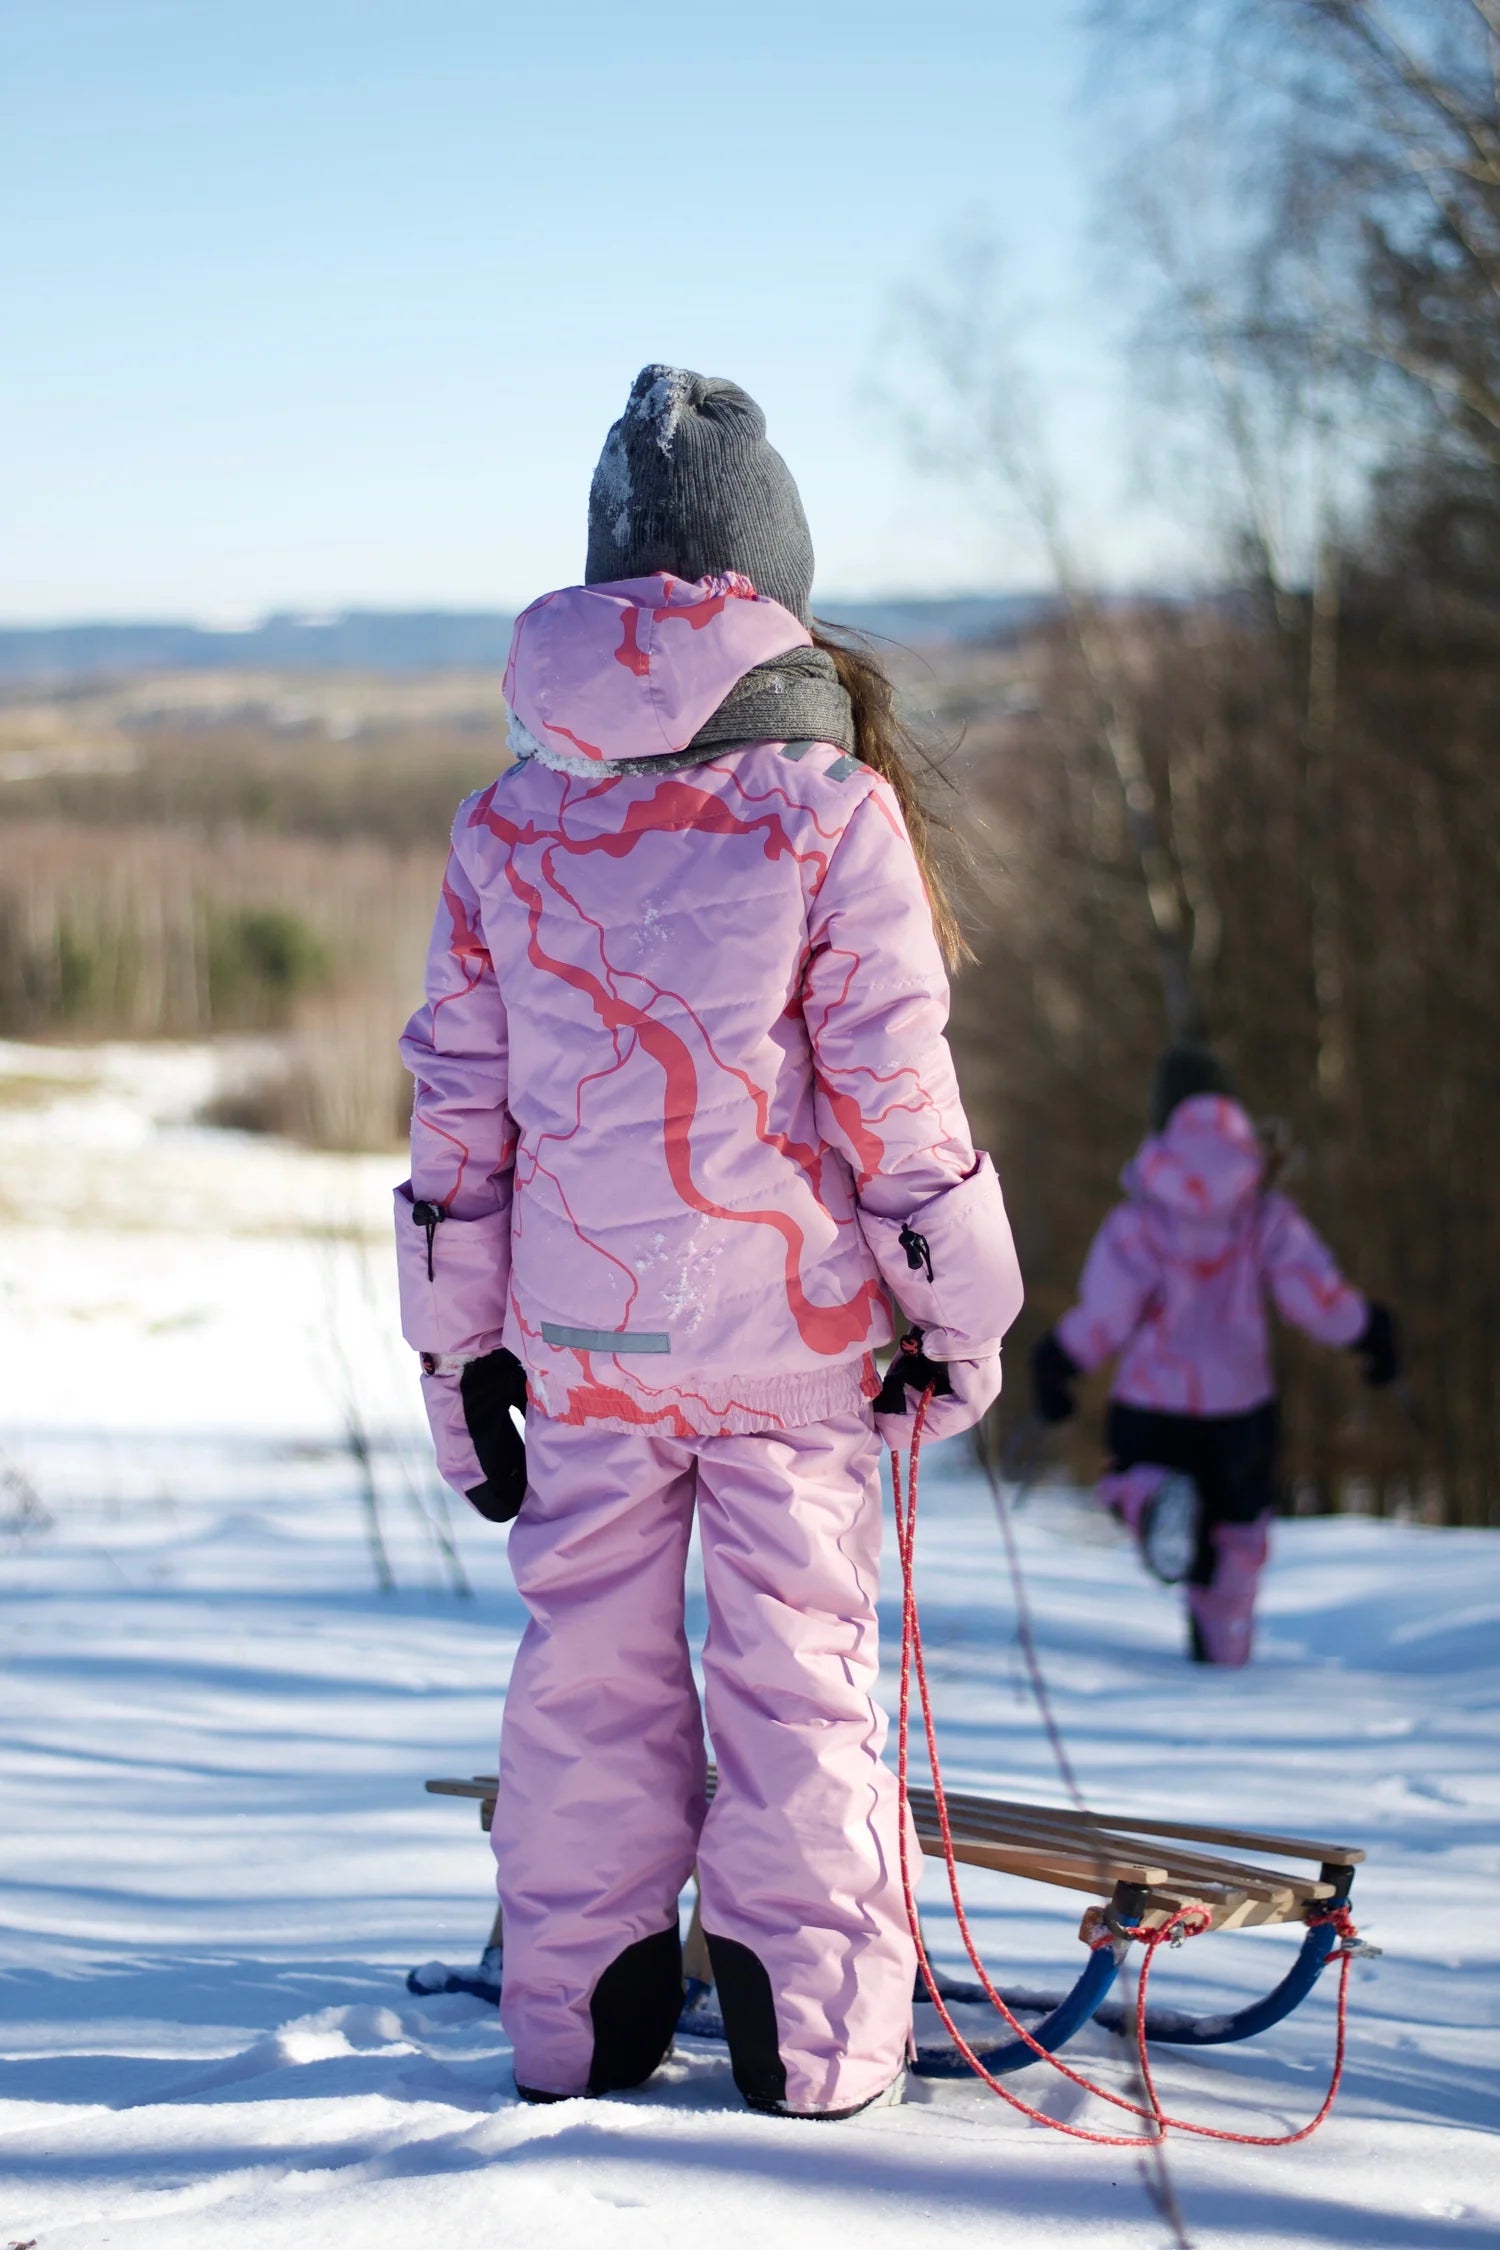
point(417, 640)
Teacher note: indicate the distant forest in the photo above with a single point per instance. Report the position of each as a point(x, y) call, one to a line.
point(413, 641)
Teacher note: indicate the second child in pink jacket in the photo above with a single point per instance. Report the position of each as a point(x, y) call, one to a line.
point(686, 1136)
point(1175, 1290)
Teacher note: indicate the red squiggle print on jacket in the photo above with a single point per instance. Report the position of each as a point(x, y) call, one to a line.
point(589, 749)
point(825, 1328)
point(675, 805)
point(801, 1153)
point(694, 614)
point(630, 653)
point(466, 946)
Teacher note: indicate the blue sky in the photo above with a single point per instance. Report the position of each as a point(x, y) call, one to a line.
point(321, 302)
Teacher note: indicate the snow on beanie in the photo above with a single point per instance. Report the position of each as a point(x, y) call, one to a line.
point(687, 483)
point(1181, 1073)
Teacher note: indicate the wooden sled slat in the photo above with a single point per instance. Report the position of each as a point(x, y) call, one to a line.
point(1202, 1876)
point(1125, 1827)
point(1077, 1873)
point(1289, 1847)
point(1111, 1849)
point(1230, 1904)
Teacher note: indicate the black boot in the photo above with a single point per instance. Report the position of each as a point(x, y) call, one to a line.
point(635, 2008)
point(749, 2012)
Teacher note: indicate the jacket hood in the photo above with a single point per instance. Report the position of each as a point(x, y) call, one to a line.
point(601, 674)
point(1206, 1164)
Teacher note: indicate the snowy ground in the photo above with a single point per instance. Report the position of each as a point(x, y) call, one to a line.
point(217, 1863)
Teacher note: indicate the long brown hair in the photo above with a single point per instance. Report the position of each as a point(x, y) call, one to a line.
point(884, 741)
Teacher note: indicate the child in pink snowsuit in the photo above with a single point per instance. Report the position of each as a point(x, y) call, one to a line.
point(686, 1124)
point(1176, 1285)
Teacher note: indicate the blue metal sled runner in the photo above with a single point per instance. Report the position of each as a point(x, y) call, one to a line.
point(1145, 1872)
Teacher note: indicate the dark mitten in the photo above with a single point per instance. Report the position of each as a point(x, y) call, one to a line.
point(1053, 1374)
point(490, 1387)
point(1379, 1346)
point(909, 1375)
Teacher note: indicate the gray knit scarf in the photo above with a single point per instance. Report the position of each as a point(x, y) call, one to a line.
point(794, 698)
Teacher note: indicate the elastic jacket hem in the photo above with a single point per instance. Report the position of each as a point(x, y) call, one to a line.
point(706, 1405)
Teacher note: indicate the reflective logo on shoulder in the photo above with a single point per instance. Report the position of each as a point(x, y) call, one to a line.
point(840, 770)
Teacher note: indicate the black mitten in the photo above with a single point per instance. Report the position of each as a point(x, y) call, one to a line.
point(489, 1388)
point(1053, 1374)
point(911, 1373)
point(1379, 1346)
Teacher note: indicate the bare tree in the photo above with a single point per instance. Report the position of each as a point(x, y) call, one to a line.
point(976, 420)
point(1359, 141)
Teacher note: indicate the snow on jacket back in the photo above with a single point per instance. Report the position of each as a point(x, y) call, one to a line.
point(681, 1077)
point(1177, 1276)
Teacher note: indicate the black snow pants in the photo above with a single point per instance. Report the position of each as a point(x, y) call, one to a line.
point(1231, 1458)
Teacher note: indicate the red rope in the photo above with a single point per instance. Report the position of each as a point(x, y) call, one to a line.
point(1188, 1921)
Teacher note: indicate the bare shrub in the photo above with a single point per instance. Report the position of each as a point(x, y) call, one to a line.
point(153, 932)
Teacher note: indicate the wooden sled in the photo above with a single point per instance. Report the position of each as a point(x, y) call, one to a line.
point(1145, 1871)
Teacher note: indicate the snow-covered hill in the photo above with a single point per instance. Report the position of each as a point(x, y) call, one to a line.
point(218, 1862)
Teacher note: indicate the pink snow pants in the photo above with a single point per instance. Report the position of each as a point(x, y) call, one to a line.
point(601, 1816)
point(1223, 1612)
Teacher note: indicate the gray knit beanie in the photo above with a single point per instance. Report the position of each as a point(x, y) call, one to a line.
point(688, 484)
point(1180, 1074)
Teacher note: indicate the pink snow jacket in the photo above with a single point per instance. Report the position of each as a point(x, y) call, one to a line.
point(681, 1078)
point(1177, 1276)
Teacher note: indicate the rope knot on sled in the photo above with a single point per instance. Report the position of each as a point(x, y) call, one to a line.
point(1353, 1947)
point(1187, 1922)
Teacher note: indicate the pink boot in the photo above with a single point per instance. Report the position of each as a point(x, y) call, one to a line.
point(1163, 1511)
point(1222, 1613)
point(1127, 1493)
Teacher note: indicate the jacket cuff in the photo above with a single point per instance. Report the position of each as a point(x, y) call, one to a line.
point(457, 1461)
point(454, 1277)
point(951, 1266)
